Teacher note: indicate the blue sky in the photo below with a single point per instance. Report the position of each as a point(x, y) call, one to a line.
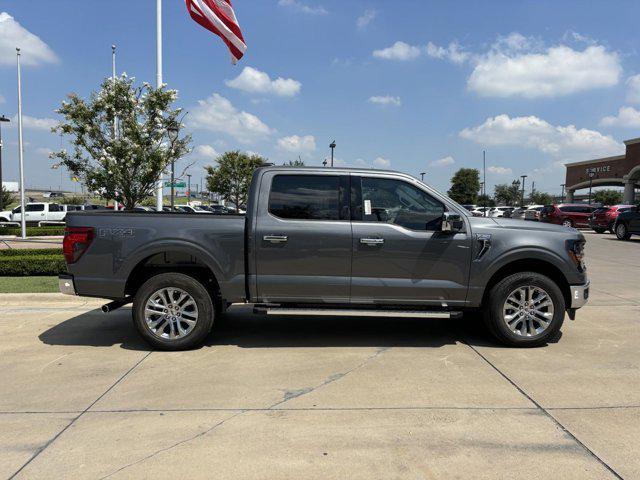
point(409, 85)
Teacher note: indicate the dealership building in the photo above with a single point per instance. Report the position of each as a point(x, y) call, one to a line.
point(618, 171)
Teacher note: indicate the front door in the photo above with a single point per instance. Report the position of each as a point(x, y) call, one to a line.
point(400, 254)
point(303, 238)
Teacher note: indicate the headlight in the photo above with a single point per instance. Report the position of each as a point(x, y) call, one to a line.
point(575, 248)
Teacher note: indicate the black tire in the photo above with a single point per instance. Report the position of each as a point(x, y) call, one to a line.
point(567, 222)
point(622, 231)
point(201, 297)
point(494, 316)
point(599, 230)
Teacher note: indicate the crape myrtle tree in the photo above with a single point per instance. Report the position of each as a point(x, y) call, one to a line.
point(7, 197)
point(608, 197)
point(119, 138)
point(465, 184)
point(231, 177)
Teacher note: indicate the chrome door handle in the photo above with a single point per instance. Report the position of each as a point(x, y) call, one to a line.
point(275, 238)
point(372, 241)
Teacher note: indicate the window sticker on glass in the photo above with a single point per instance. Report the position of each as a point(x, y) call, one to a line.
point(367, 207)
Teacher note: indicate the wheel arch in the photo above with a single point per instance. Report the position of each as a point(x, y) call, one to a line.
point(543, 267)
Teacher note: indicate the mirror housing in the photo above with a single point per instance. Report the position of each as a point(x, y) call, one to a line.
point(451, 222)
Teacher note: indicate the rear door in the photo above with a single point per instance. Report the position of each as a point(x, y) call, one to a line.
point(303, 238)
point(35, 212)
point(400, 254)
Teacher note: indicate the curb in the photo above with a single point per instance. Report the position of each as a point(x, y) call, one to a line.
point(37, 299)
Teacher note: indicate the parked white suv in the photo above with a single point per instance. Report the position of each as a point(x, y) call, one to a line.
point(39, 212)
point(533, 212)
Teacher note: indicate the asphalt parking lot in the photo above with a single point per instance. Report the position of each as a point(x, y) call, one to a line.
point(366, 398)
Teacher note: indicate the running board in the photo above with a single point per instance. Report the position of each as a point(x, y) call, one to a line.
point(348, 312)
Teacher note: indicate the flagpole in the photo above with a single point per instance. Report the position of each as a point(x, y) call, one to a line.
point(159, 84)
point(116, 206)
point(23, 223)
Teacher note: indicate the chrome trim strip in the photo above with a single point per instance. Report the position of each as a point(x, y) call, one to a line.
point(337, 312)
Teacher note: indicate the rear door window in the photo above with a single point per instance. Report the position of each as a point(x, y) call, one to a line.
point(34, 207)
point(305, 197)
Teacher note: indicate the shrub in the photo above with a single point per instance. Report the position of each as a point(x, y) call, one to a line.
point(33, 231)
point(31, 265)
point(31, 252)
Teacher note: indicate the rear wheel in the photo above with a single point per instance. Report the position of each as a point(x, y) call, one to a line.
point(598, 230)
point(622, 232)
point(173, 311)
point(567, 222)
point(525, 310)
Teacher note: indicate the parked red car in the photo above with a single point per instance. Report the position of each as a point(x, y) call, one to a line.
point(567, 214)
point(603, 218)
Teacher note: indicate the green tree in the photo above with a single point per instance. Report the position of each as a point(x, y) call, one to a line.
point(122, 162)
point(508, 194)
point(540, 198)
point(294, 163)
point(7, 198)
point(485, 200)
point(231, 178)
point(607, 197)
point(465, 184)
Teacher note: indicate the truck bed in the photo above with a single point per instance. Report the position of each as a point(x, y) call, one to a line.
point(124, 241)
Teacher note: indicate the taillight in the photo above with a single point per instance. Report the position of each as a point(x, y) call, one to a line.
point(75, 243)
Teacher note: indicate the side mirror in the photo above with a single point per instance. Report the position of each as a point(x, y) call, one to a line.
point(451, 222)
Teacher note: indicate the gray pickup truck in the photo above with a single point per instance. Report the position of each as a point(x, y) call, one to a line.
point(319, 241)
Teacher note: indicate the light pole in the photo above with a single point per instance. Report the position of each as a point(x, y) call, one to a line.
point(422, 176)
point(484, 172)
point(562, 194)
point(23, 220)
point(591, 175)
point(188, 188)
point(172, 132)
point(332, 146)
point(523, 179)
point(2, 119)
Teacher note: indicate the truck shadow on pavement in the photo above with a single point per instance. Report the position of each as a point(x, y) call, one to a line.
point(246, 330)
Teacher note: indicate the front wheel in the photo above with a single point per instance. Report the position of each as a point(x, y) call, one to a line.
point(173, 311)
point(622, 232)
point(525, 310)
point(567, 223)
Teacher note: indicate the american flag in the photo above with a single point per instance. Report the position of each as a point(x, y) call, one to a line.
point(218, 17)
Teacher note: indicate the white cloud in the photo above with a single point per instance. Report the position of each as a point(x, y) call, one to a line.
point(499, 170)
point(205, 151)
point(297, 144)
point(633, 89)
point(519, 66)
point(559, 141)
point(398, 51)
point(34, 123)
point(453, 52)
point(385, 100)
point(217, 114)
point(366, 18)
point(33, 50)
point(254, 81)
point(443, 162)
point(43, 151)
point(628, 117)
point(382, 162)
point(303, 7)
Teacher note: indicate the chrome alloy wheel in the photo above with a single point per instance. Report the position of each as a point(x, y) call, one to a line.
point(171, 313)
point(528, 311)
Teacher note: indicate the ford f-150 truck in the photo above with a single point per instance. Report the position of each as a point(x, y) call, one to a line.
point(318, 241)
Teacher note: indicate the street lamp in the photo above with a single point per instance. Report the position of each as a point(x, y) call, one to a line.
point(2, 119)
point(332, 146)
point(188, 188)
point(523, 179)
point(422, 176)
point(562, 194)
point(591, 175)
point(172, 133)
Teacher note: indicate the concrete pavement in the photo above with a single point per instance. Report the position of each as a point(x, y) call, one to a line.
point(275, 397)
